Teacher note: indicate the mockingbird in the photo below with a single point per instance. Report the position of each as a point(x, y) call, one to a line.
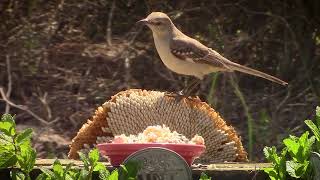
point(185, 55)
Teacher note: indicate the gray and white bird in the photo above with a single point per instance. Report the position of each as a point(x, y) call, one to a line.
point(185, 55)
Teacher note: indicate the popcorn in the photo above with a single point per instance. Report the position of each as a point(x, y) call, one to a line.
point(120, 139)
point(158, 134)
point(197, 140)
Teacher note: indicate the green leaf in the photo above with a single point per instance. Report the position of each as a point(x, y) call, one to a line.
point(74, 173)
point(273, 175)
point(68, 177)
point(291, 168)
point(123, 173)
point(313, 128)
point(65, 173)
point(5, 139)
point(203, 176)
point(104, 174)
point(17, 175)
point(308, 147)
point(292, 145)
point(7, 125)
point(93, 156)
point(31, 160)
point(295, 169)
point(26, 157)
point(295, 138)
point(282, 173)
point(58, 169)
point(299, 148)
point(315, 161)
point(99, 166)
point(114, 175)
point(132, 168)
point(7, 159)
point(317, 148)
point(267, 152)
point(48, 172)
point(303, 139)
point(271, 154)
point(24, 136)
point(318, 116)
point(85, 160)
point(43, 176)
point(83, 174)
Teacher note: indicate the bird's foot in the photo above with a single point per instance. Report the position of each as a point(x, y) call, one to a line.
point(179, 96)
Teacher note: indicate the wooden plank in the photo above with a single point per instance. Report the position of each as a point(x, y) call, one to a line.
point(231, 171)
point(64, 162)
point(221, 171)
point(232, 166)
point(199, 167)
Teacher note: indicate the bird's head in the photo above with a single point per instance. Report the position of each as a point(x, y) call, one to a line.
point(158, 22)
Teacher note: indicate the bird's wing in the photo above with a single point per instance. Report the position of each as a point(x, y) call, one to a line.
point(193, 51)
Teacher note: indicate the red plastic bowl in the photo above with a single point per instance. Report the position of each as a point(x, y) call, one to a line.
point(117, 153)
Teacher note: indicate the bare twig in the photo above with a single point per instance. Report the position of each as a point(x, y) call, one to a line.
point(25, 108)
point(8, 94)
point(43, 100)
point(109, 30)
point(284, 100)
point(133, 38)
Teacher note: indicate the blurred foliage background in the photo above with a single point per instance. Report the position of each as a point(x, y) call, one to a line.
point(61, 59)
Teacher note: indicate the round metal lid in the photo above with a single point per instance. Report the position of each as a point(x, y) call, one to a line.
point(160, 163)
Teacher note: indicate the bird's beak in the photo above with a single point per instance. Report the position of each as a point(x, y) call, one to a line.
point(143, 21)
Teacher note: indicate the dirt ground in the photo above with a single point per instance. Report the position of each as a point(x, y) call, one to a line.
point(61, 60)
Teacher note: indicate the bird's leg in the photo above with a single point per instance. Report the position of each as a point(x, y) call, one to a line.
point(189, 89)
point(186, 91)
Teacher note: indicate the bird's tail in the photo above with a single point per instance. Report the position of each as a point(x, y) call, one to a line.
point(247, 70)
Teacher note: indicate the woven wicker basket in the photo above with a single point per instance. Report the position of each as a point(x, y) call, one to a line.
point(131, 111)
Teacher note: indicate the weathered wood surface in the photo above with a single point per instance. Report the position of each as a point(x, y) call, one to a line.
point(232, 171)
point(220, 171)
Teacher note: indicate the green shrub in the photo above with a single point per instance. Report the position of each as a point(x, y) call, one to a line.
point(299, 158)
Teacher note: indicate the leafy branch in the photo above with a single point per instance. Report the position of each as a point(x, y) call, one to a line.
point(16, 149)
point(299, 158)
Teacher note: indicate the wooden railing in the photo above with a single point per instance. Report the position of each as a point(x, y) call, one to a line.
point(221, 171)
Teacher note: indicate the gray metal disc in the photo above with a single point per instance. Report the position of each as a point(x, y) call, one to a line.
point(160, 164)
